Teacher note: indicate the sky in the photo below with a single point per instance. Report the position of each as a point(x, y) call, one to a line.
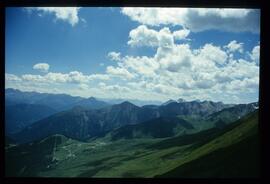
point(134, 53)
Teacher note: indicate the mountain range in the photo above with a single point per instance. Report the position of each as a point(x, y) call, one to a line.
point(49, 137)
point(220, 153)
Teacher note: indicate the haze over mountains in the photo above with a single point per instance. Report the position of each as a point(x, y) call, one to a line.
point(42, 120)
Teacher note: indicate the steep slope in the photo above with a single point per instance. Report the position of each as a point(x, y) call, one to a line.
point(81, 123)
point(235, 153)
point(155, 128)
point(19, 116)
point(232, 114)
point(28, 159)
point(77, 123)
point(119, 115)
point(191, 108)
point(237, 160)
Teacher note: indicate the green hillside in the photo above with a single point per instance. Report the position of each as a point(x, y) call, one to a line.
point(219, 149)
point(233, 154)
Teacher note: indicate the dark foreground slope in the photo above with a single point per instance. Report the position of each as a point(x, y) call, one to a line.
point(29, 159)
point(240, 158)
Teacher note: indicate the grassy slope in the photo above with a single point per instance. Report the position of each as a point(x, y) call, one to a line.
point(234, 154)
point(238, 160)
point(129, 158)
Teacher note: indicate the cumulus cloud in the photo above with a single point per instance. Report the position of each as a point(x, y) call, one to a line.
point(233, 46)
point(119, 72)
point(176, 59)
point(83, 86)
point(67, 14)
point(143, 36)
point(255, 54)
point(142, 65)
point(114, 56)
point(172, 72)
point(179, 70)
point(181, 34)
point(176, 69)
point(198, 19)
point(42, 67)
point(71, 77)
point(213, 53)
point(12, 77)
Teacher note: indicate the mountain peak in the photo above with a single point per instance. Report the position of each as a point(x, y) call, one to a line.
point(127, 103)
point(168, 102)
point(92, 98)
point(181, 100)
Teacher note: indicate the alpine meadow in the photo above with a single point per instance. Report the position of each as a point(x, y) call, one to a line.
point(132, 92)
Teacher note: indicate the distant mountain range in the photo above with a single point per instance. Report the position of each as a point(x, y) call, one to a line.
point(88, 118)
point(39, 115)
point(18, 116)
point(59, 102)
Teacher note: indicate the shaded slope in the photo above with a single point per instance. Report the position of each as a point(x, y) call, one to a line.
point(21, 115)
point(29, 159)
point(233, 113)
point(227, 155)
point(238, 160)
point(91, 103)
point(155, 128)
point(81, 123)
point(77, 123)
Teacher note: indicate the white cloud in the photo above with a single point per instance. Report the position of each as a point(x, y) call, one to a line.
point(98, 77)
point(42, 67)
point(172, 72)
point(176, 59)
point(34, 78)
point(143, 36)
point(213, 53)
point(141, 65)
point(119, 72)
point(115, 88)
point(67, 14)
point(233, 46)
point(181, 34)
point(175, 70)
point(114, 56)
point(198, 19)
point(12, 77)
point(255, 54)
point(71, 77)
point(83, 86)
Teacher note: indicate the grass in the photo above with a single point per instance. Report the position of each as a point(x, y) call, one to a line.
point(145, 157)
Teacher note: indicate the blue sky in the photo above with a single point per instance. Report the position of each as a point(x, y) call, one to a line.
point(135, 53)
